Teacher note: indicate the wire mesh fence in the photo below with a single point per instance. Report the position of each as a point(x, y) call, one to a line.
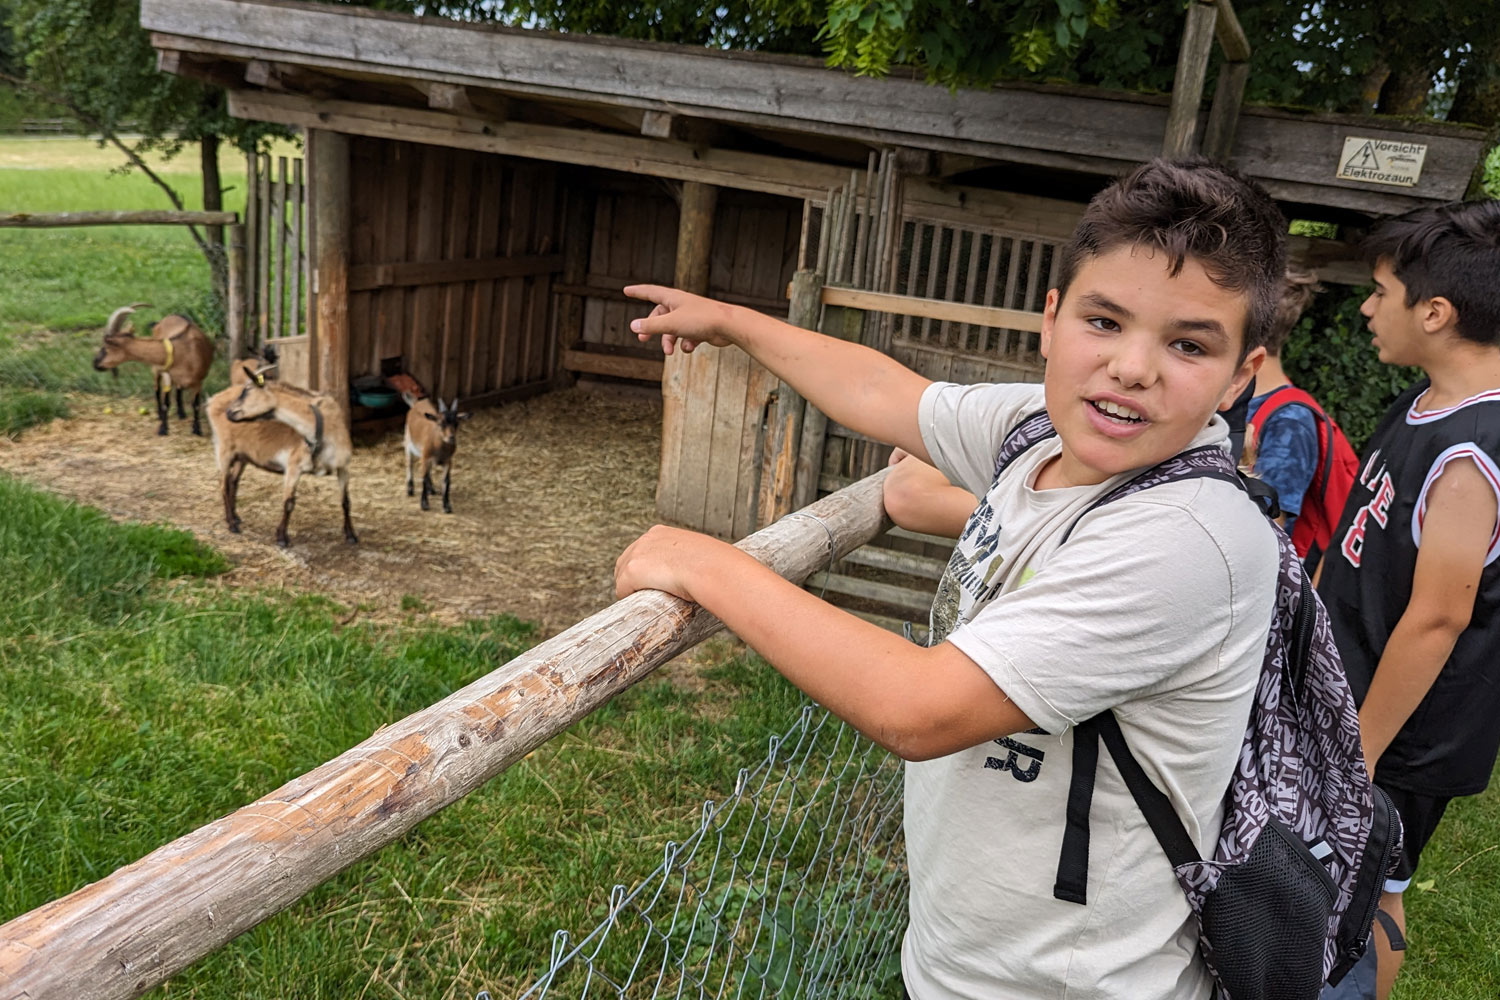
point(793, 885)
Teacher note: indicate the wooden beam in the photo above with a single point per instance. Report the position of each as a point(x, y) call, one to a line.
point(618, 365)
point(328, 162)
point(1231, 36)
point(634, 154)
point(450, 97)
point(47, 220)
point(1224, 115)
point(133, 929)
point(911, 305)
point(1335, 261)
point(1074, 129)
point(689, 381)
point(215, 72)
point(659, 124)
point(1187, 85)
point(779, 476)
point(405, 274)
point(234, 322)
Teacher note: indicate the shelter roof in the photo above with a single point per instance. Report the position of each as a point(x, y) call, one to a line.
point(784, 124)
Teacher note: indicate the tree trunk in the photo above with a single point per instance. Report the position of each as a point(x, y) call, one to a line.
point(1478, 99)
point(213, 201)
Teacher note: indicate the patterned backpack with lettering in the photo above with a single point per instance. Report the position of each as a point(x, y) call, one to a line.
point(1287, 899)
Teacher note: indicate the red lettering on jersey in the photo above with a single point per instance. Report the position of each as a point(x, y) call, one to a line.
point(1380, 504)
point(1379, 507)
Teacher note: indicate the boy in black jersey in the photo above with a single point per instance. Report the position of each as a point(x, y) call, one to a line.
point(1412, 581)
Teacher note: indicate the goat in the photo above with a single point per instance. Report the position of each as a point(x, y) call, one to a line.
point(283, 429)
point(178, 352)
point(431, 437)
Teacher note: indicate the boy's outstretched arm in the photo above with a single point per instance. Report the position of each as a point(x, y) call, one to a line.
point(920, 498)
point(854, 385)
point(1456, 534)
point(916, 702)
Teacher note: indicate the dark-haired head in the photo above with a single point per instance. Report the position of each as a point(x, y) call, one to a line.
point(1195, 209)
point(1451, 251)
point(1296, 294)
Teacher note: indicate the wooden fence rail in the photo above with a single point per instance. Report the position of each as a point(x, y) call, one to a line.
point(43, 220)
point(130, 931)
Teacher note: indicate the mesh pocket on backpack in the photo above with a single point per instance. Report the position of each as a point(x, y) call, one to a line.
point(1266, 921)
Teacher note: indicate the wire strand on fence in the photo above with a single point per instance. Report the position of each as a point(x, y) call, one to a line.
point(794, 885)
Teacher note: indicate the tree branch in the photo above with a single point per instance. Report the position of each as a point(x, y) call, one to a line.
point(105, 132)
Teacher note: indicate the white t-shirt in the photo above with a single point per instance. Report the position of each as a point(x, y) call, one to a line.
point(1157, 607)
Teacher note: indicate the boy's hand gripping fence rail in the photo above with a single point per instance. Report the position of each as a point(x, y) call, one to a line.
point(130, 931)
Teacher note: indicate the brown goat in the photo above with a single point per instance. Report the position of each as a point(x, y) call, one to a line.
point(281, 429)
point(178, 352)
point(431, 438)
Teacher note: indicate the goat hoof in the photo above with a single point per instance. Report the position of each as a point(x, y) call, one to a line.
point(234, 527)
point(197, 431)
point(410, 492)
point(161, 431)
point(283, 543)
point(447, 509)
point(351, 539)
point(425, 505)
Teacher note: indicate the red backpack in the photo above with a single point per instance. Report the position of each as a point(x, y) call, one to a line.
point(1338, 468)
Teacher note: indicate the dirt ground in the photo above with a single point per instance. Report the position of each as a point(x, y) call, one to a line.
point(546, 493)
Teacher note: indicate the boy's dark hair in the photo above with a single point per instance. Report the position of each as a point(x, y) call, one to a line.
point(1296, 293)
point(1191, 208)
point(1450, 251)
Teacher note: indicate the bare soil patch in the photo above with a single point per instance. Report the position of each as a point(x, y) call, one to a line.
point(546, 494)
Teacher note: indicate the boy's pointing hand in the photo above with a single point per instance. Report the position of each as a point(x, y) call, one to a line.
point(680, 318)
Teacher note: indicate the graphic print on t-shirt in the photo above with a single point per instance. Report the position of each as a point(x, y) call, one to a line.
point(972, 572)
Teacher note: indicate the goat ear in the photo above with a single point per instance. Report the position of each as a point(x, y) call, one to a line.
point(464, 416)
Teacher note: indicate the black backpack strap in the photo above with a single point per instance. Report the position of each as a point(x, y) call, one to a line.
point(1073, 864)
point(1073, 860)
point(1209, 462)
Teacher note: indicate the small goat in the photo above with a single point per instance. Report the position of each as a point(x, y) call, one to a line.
point(282, 429)
point(431, 438)
point(178, 352)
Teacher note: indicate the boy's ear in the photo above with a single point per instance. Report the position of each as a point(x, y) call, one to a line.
point(1243, 376)
point(1049, 319)
point(1438, 315)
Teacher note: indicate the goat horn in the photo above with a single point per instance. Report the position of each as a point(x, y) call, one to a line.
point(117, 319)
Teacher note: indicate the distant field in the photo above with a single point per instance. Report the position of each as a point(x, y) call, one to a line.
point(58, 286)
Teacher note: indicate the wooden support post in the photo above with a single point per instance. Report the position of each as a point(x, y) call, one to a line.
point(681, 485)
point(1187, 86)
point(328, 164)
point(1224, 115)
point(845, 324)
point(133, 929)
point(234, 323)
point(779, 477)
point(578, 237)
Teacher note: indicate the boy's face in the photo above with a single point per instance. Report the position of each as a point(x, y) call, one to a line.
point(1139, 360)
point(1397, 327)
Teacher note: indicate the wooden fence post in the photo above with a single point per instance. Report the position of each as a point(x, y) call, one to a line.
point(328, 156)
point(234, 321)
point(778, 481)
point(1187, 86)
point(695, 236)
point(133, 929)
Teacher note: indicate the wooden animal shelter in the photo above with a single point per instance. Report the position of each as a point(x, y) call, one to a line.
point(477, 196)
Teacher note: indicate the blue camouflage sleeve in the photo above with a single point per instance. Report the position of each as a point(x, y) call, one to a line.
point(1288, 455)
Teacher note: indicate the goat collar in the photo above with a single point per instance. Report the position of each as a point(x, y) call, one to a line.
point(168, 345)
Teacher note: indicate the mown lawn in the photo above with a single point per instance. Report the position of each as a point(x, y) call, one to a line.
point(140, 699)
point(58, 286)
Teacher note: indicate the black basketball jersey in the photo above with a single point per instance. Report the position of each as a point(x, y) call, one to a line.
point(1449, 744)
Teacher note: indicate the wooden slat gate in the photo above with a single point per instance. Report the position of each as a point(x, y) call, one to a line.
point(271, 286)
point(944, 287)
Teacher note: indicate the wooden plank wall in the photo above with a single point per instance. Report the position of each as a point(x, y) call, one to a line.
point(718, 454)
point(423, 216)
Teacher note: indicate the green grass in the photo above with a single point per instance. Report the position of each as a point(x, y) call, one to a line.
point(139, 700)
point(58, 286)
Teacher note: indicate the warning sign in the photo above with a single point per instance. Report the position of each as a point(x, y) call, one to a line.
point(1380, 161)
